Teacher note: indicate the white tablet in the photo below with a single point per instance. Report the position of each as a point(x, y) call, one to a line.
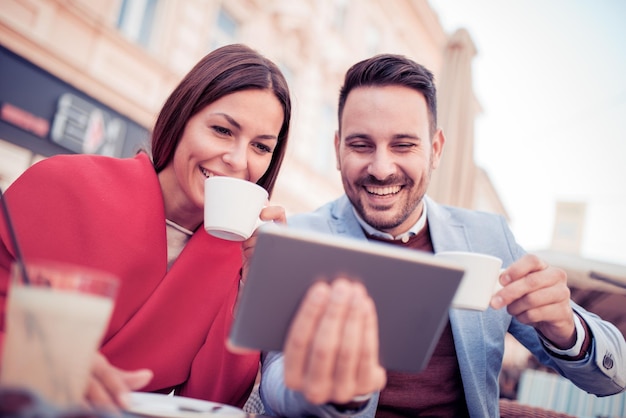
point(412, 291)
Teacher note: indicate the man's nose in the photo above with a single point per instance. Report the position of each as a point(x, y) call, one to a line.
point(382, 165)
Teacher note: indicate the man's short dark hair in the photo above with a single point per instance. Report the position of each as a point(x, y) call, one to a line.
point(391, 70)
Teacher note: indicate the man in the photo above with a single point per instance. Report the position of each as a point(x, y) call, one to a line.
point(387, 146)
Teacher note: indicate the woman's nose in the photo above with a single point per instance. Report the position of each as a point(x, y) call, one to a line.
point(236, 157)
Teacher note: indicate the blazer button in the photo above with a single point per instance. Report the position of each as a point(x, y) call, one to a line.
point(607, 361)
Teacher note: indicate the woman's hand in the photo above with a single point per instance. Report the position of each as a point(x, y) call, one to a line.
point(108, 387)
point(269, 213)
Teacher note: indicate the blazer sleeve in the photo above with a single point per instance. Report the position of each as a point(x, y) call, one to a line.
point(278, 400)
point(606, 359)
point(602, 372)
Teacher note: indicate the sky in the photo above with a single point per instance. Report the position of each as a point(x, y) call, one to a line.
point(550, 76)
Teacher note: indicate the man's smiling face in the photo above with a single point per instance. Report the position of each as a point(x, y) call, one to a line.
point(386, 156)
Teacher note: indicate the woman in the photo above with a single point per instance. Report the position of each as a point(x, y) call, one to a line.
point(141, 219)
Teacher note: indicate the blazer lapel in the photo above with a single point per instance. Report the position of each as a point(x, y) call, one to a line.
point(343, 221)
point(448, 234)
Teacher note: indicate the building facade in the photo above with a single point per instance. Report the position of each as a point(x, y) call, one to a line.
point(85, 76)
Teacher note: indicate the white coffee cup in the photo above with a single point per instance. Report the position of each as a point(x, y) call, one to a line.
point(480, 280)
point(232, 207)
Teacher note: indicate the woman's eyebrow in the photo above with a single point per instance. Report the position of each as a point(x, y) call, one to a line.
point(230, 120)
point(238, 126)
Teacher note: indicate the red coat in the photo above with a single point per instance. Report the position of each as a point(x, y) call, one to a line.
point(108, 213)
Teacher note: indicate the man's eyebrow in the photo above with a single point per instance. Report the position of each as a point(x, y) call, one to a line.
point(407, 136)
point(356, 136)
point(395, 136)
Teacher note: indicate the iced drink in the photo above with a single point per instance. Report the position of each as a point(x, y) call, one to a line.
point(53, 329)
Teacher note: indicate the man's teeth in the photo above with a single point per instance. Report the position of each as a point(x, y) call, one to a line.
point(383, 191)
point(206, 173)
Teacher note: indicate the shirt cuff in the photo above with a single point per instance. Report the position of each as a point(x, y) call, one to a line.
point(573, 351)
point(356, 404)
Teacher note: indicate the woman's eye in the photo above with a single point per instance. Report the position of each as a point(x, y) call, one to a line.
point(263, 148)
point(221, 130)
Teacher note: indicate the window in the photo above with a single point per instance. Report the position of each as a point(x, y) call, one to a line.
point(226, 29)
point(14, 160)
point(136, 20)
point(340, 13)
point(324, 155)
point(372, 40)
point(226, 24)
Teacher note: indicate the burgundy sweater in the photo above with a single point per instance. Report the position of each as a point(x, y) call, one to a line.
point(437, 391)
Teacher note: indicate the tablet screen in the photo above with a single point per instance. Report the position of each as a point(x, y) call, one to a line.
point(412, 290)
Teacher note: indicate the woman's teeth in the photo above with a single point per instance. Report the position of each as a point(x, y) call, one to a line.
point(206, 173)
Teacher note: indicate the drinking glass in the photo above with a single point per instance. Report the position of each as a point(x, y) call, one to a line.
point(55, 320)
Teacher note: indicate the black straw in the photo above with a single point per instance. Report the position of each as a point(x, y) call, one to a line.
point(13, 237)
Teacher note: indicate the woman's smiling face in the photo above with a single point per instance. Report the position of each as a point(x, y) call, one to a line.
point(234, 136)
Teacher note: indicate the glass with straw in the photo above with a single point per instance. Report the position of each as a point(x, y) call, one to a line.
point(55, 317)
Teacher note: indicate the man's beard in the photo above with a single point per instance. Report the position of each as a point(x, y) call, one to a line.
point(384, 223)
point(377, 216)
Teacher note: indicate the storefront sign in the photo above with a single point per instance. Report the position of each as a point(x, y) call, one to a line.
point(42, 113)
point(24, 120)
point(82, 127)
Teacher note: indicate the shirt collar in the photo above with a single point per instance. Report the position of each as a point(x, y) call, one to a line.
point(414, 230)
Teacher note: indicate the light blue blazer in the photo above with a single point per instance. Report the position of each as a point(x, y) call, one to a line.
point(478, 336)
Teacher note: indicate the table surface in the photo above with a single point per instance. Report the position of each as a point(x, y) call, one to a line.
point(18, 403)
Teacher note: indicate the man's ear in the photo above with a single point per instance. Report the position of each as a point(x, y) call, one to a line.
point(437, 143)
point(337, 143)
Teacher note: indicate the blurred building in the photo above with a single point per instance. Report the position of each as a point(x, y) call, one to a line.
point(85, 76)
point(569, 222)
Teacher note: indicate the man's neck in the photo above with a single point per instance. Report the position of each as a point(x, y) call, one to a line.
point(413, 230)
